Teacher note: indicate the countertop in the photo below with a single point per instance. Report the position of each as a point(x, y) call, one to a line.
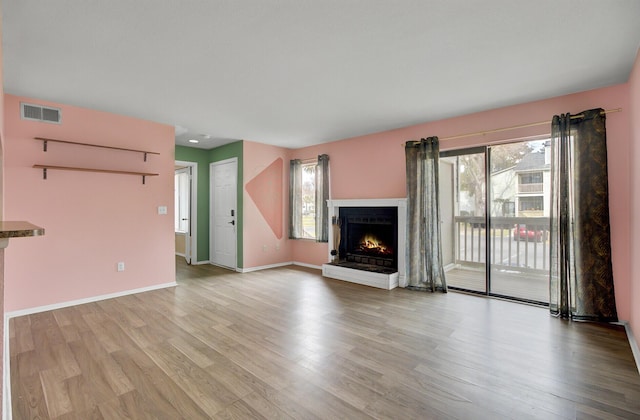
point(19, 229)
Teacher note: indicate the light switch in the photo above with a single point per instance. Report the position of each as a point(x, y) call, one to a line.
point(162, 209)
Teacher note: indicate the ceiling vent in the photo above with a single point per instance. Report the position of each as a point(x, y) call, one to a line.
point(40, 113)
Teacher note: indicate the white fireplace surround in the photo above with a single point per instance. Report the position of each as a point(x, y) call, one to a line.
point(383, 281)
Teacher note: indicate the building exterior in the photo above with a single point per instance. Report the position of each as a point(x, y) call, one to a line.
point(523, 190)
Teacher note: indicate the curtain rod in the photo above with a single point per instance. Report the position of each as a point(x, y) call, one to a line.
point(513, 127)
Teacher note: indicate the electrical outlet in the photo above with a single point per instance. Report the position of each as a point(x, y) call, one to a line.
point(264, 248)
point(277, 247)
point(162, 209)
point(121, 266)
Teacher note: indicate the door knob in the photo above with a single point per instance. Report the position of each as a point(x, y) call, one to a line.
point(233, 222)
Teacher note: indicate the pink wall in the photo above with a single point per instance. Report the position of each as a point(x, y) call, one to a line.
point(372, 166)
point(262, 246)
point(634, 119)
point(91, 220)
point(2, 349)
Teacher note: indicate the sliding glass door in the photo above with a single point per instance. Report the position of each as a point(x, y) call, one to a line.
point(495, 207)
point(520, 198)
point(464, 232)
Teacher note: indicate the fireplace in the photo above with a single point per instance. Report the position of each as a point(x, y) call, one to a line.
point(367, 241)
point(369, 238)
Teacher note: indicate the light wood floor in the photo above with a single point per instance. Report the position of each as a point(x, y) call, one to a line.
point(287, 343)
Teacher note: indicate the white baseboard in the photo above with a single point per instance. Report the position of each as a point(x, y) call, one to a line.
point(51, 307)
point(263, 267)
point(282, 264)
point(178, 254)
point(301, 264)
point(633, 343)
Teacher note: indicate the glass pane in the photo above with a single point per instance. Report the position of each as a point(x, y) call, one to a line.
point(463, 196)
point(519, 209)
point(309, 200)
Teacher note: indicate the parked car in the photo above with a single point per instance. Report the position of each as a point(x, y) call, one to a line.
point(531, 233)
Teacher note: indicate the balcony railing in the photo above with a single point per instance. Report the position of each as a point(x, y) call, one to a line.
point(530, 188)
point(521, 242)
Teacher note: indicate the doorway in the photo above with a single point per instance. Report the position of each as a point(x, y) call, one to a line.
point(495, 219)
point(223, 203)
point(185, 213)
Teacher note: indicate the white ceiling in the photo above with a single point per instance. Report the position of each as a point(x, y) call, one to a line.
point(301, 72)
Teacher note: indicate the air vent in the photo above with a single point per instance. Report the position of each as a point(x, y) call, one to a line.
point(40, 113)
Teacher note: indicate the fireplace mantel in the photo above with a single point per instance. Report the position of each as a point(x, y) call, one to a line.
point(368, 202)
point(382, 281)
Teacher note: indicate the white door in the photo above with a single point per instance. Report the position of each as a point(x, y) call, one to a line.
point(222, 241)
point(183, 212)
point(446, 212)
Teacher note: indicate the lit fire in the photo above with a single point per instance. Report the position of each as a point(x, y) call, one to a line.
point(371, 244)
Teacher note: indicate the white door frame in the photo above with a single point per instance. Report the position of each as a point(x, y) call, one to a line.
point(211, 206)
point(193, 243)
point(447, 230)
point(185, 252)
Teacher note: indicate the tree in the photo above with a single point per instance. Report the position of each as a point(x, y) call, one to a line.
point(507, 155)
point(471, 169)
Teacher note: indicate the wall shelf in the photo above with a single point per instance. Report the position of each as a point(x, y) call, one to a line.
point(44, 167)
point(46, 140)
point(74, 168)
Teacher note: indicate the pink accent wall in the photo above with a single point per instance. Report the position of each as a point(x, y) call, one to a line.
point(91, 220)
point(634, 119)
point(266, 192)
point(372, 166)
point(261, 245)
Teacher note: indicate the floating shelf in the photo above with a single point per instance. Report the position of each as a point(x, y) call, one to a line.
point(46, 140)
point(74, 168)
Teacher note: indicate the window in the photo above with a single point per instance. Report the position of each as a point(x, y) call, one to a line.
point(508, 209)
point(531, 178)
point(531, 203)
point(304, 199)
point(531, 182)
point(308, 199)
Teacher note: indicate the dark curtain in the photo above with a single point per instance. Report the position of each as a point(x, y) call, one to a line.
point(295, 199)
point(322, 195)
point(581, 281)
point(424, 254)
